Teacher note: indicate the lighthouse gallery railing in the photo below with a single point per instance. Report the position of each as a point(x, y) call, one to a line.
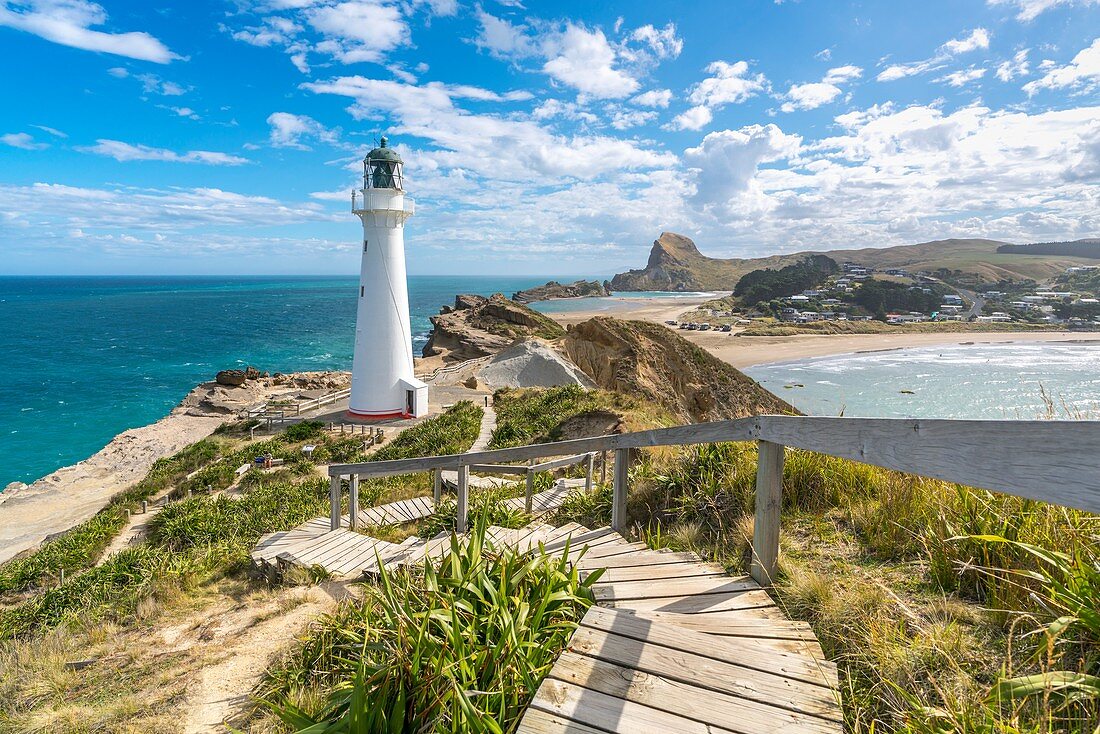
point(1049, 461)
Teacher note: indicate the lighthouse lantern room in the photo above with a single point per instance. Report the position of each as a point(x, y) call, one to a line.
point(382, 381)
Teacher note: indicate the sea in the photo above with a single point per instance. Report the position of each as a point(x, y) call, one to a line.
point(1011, 381)
point(86, 358)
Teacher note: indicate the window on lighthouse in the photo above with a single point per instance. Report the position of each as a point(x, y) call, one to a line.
point(364, 245)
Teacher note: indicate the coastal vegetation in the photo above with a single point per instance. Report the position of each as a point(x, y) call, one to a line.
point(459, 645)
point(766, 284)
point(772, 328)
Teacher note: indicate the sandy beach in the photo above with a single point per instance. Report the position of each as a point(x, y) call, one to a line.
point(741, 351)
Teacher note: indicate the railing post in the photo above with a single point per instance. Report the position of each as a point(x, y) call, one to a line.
point(353, 502)
point(589, 462)
point(437, 486)
point(620, 489)
point(603, 467)
point(530, 492)
point(462, 519)
point(334, 503)
point(769, 501)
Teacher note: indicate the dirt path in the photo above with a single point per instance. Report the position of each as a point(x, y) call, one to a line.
point(242, 643)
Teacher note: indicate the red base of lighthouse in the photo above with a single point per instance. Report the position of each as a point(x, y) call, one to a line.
point(377, 416)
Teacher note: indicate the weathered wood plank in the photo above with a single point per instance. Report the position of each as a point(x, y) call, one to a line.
point(698, 586)
point(703, 672)
point(676, 638)
point(769, 502)
point(536, 721)
point(610, 713)
point(682, 698)
point(683, 569)
point(697, 604)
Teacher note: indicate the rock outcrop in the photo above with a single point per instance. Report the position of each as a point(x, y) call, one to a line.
point(221, 399)
point(532, 363)
point(675, 264)
point(477, 326)
point(554, 290)
point(645, 359)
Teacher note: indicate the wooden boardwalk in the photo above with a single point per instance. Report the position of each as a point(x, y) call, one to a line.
point(673, 644)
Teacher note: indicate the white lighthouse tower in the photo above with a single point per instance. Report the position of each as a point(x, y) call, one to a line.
point(382, 380)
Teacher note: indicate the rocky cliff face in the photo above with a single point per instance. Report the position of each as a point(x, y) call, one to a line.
point(477, 327)
point(648, 360)
point(554, 289)
point(675, 264)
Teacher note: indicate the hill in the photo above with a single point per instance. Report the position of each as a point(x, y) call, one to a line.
point(646, 360)
point(676, 264)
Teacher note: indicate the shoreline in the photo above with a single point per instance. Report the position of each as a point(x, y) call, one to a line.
point(66, 497)
point(754, 351)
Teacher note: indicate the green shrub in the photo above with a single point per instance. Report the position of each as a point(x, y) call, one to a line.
point(461, 648)
point(529, 416)
point(453, 432)
point(484, 503)
point(303, 431)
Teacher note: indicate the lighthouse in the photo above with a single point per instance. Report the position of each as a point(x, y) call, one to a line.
point(382, 381)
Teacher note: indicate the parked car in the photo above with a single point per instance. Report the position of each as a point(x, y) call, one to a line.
point(725, 327)
point(704, 327)
point(671, 322)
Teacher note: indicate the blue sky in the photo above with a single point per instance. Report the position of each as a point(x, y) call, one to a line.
point(540, 137)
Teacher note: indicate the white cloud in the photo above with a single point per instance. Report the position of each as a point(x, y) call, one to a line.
point(653, 98)
point(1081, 75)
point(693, 118)
point(1028, 10)
point(289, 130)
point(585, 60)
point(727, 161)
point(977, 39)
point(963, 77)
point(503, 39)
point(809, 96)
point(824, 54)
point(812, 95)
point(121, 151)
point(358, 30)
point(150, 83)
point(728, 84)
point(22, 140)
point(273, 30)
point(626, 119)
point(69, 23)
point(1018, 66)
point(51, 130)
point(663, 43)
point(186, 112)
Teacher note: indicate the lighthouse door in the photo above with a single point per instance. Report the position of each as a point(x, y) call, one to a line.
point(410, 402)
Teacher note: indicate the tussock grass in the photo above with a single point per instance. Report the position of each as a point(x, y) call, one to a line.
point(457, 647)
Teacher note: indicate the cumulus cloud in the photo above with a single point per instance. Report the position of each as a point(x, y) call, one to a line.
point(815, 94)
point(728, 84)
point(24, 141)
point(121, 151)
point(358, 30)
point(1028, 10)
point(663, 43)
point(1082, 74)
point(963, 77)
point(726, 162)
point(70, 23)
point(585, 60)
point(653, 98)
point(977, 39)
point(290, 131)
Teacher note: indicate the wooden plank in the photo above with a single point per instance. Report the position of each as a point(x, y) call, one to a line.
point(699, 586)
point(708, 673)
point(682, 569)
point(683, 698)
point(495, 469)
point(755, 600)
point(610, 713)
point(651, 558)
point(1050, 461)
point(540, 722)
point(559, 463)
point(769, 502)
point(353, 503)
point(732, 624)
point(334, 492)
point(462, 518)
point(676, 638)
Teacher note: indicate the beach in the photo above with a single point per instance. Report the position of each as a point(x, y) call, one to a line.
point(749, 351)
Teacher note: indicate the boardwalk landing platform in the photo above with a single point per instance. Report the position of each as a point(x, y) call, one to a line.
point(673, 643)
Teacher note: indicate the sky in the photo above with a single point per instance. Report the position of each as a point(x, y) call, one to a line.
point(558, 138)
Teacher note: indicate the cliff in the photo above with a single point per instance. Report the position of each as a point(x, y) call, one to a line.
point(647, 360)
point(554, 289)
point(477, 326)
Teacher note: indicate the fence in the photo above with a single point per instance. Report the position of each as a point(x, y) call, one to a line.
point(1049, 461)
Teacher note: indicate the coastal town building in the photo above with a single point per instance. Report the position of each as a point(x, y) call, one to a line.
point(383, 384)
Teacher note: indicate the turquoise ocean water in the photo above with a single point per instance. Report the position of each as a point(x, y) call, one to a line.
point(86, 358)
point(1024, 380)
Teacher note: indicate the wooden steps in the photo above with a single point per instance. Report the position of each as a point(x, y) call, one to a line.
point(673, 644)
point(676, 645)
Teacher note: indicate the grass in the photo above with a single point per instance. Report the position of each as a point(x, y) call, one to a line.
point(459, 646)
point(537, 415)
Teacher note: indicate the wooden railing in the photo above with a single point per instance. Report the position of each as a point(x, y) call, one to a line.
point(290, 408)
point(1050, 461)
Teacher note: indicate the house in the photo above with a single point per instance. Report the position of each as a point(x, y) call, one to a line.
point(809, 316)
point(951, 308)
point(952, 298)
point(799, 299)
point(905, 318)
